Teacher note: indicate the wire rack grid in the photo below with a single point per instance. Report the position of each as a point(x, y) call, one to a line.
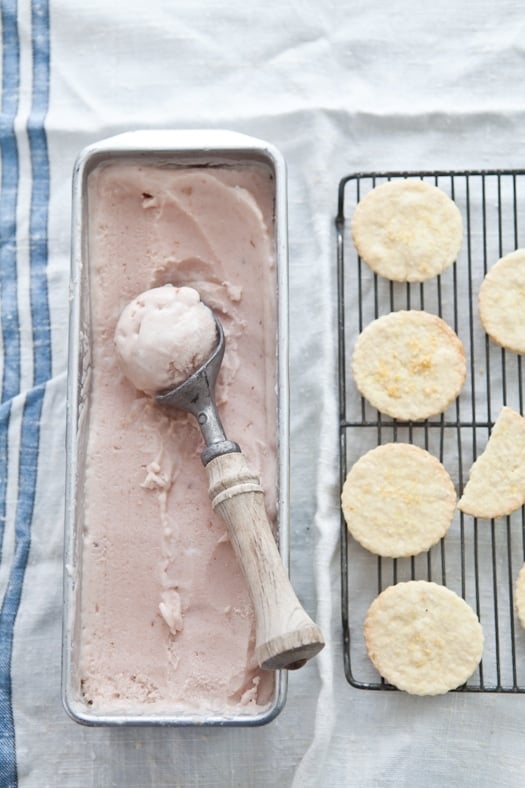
point(479, 559)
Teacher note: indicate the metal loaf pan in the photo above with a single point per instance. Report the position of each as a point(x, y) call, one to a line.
point(200, 149)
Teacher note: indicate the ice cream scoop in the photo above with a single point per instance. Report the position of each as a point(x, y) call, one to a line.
point(286, 637)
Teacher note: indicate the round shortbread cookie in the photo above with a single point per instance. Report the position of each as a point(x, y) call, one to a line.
point(502, 302)
point(409, 364)
point(407, 230)
point(423, 638)
point(496, 484)
point(519, 596)
point(398, 500)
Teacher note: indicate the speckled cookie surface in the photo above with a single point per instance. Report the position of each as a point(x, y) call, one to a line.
point(423, 638)
point(409, 364)
point(398, 500)
point(502, 302)
point(407, 230)
point(496, 484)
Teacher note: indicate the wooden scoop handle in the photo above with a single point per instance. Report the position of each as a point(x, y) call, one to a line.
point(286, 637)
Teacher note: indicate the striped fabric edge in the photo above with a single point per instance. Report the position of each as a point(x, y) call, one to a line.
point(33, 400)
point(8, 204)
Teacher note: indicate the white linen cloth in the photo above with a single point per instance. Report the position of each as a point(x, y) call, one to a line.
point(338, 87)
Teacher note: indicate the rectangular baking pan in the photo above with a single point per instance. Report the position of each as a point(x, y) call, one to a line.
point(192, 148)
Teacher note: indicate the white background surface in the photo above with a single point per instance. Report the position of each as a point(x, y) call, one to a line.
point(338, 87)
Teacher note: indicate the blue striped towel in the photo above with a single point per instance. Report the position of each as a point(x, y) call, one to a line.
point(26, 343)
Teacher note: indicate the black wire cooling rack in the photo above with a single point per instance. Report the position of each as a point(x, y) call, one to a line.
point(479, 559)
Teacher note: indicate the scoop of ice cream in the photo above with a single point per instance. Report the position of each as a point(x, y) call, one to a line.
point(163, 336)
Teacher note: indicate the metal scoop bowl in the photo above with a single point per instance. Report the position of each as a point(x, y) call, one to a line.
point(196, 395)
point(285, 636)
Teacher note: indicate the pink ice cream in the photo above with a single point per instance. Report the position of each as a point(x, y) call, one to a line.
point(163, 336)
point(166, 623)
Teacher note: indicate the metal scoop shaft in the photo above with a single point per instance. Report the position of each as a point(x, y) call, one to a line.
point(196, 395)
